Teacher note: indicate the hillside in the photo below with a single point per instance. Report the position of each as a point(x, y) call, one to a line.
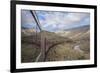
point(65, 49)
point(69, 51)
point(79, 31)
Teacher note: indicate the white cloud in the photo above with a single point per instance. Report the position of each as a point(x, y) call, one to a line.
point(76, 16)
point(60, 20)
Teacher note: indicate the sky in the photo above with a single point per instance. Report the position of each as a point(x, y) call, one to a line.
point(55, 21)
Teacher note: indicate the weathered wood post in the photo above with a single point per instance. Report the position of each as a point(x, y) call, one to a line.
point(42, 46)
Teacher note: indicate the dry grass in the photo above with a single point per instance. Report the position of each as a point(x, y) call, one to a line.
point(64, 52)
point(29, 53)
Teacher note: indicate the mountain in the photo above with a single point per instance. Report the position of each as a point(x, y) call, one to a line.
point(61, 44)
point(81, 27)
point(70, 51)
point(75, 33)
point(32, 36)
point(27, 32)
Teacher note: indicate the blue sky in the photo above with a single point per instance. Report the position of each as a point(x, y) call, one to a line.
point(55, 21)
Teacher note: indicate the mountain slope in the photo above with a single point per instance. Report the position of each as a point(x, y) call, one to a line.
point(66, 50)
point(76, 33)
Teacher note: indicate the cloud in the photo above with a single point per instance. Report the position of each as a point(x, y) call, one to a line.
point(61, 20)
point(27, 20)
